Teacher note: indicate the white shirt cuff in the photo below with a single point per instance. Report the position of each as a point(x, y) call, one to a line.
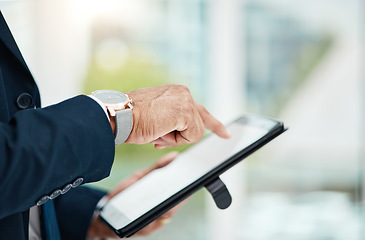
point(101, 105)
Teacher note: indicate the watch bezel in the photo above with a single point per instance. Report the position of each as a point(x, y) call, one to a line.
point(128, 103)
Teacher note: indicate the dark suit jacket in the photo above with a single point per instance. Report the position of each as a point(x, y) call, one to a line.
point(44, 149)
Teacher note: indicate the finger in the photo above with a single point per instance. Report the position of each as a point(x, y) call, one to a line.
point(171, 139)
point(122, 186)
point(159, 222)
point(195, 128)
point(189, 131)
point(128, 182)
point(159, 146)
point(166, 216)
point(99, 229)
point(156, 224)
point(158, 141)
point(166, 159)
point(150, 228)
point(176, 138)
point(212, 123)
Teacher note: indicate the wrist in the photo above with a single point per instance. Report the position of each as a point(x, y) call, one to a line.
point(119, 109)
point(134, 137)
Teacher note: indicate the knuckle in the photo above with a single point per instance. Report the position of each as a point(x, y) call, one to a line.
point(202, 131)
point(187, 110)
point(196, 139)
point(184, 90)
point(178, 111)
point(183, 87)
point(197, 136)
point(138, 174)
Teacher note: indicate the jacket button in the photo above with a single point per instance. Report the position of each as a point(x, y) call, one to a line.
point(66, 188)
point(24, 101)
point(77, 182)
point(43, 200)
point(55, 194)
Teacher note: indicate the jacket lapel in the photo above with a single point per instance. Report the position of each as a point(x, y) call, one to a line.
point(8, 40)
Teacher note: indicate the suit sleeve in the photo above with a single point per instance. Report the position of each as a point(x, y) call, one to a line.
point(42, 150)
point(75, 210)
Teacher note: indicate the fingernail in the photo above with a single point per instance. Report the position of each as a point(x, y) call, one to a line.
point(228, 134)
point(172, 154)
point(159, 147)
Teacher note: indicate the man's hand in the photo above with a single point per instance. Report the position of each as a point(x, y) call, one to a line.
point(168, 116)
point(99, 229)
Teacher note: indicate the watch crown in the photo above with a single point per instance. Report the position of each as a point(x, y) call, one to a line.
point(111, 111)
point(131, 104)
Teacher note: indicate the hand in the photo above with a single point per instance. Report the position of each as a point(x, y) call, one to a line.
point(168, 116)
point(100, 229)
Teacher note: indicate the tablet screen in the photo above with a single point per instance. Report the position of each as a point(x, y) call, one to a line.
point(189, 166)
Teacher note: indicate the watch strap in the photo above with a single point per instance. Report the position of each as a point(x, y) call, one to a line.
point(123, 125)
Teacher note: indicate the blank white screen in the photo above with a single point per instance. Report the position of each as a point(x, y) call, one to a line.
point(163, 183)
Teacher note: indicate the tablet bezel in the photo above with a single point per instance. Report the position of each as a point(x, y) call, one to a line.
point(203, 181)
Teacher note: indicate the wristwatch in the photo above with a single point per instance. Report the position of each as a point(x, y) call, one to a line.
point(120, 106)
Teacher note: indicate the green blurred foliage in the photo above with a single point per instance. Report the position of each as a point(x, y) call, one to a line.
point(138, 71)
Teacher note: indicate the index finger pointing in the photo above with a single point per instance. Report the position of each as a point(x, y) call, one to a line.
point(212, 123)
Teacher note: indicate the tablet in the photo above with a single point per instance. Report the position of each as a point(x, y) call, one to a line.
point(195, 168)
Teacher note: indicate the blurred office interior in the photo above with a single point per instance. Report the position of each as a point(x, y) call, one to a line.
point(297, 61)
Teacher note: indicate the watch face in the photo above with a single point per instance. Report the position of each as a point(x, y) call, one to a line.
point(110, 97)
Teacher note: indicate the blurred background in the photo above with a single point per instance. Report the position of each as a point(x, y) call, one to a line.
point(293, 60)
